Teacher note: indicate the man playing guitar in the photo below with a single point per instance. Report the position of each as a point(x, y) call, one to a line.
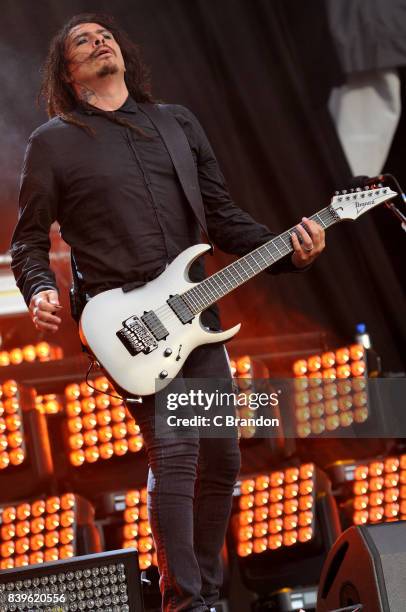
point(101, 169)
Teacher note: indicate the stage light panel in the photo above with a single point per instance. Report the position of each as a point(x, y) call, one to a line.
point(98, 426)
point(379, 491)
point(243, 371)
point(276, 510)
point(282, 526)
point(105, 581)
point(137, 530)
point(12, 444)
point(330, 391)
point(41, 351)
point(41, 530)
point(25, 454)
point(246, 371)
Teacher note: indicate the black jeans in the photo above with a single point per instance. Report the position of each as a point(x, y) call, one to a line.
point(190, 485)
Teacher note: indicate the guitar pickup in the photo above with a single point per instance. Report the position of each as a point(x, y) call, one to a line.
point(154, 325)
point(181, 309)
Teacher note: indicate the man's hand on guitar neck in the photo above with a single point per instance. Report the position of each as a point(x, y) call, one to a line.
point(310, 244)
point(43, 306)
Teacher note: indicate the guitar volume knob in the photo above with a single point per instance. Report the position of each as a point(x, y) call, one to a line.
point(167, 352)
point(163, 374)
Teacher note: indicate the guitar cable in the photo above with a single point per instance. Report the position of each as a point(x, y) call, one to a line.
point(365, 181)
point(93, 362)
point(395, 210)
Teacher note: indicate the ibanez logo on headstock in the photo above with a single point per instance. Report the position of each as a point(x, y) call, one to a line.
point(352, 204)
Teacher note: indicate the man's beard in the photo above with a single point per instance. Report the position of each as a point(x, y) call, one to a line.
point(107, 69)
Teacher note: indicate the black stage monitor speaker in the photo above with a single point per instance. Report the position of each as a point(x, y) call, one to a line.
point(366, 565)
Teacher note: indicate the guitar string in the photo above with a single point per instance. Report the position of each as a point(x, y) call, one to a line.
point(208, 291)
point(165, 313)
point(204, 292)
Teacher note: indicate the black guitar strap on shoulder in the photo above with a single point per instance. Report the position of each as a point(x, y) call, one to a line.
point(77, 298)
point(180, 152)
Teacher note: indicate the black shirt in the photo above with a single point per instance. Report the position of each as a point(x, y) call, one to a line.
point(119, 203)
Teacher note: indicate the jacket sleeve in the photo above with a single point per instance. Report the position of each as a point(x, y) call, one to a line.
point(230, 228)
point(30, 242)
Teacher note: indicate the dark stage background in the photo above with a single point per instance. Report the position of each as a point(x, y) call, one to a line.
point(257, 75)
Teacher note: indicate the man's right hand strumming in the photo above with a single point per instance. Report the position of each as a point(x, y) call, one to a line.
point(43, 308)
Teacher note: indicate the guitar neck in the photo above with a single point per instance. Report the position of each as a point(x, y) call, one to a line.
point(219, 284)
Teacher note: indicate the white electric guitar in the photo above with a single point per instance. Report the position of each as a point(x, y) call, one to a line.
point(142, 338)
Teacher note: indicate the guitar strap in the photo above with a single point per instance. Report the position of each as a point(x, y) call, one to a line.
point(77, 299)
point(180, 153)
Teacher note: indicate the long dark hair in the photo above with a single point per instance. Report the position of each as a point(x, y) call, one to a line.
point(59, 95)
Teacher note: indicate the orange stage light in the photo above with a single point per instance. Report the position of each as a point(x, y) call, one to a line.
point(287, 497)
point(12, 445)
point(379, 494)
point(335, 385)
point(38, 531)
point(137, 530)
point(29, 353)
point(100, 426)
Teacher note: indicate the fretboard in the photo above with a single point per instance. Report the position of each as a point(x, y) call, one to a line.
point(220, 283)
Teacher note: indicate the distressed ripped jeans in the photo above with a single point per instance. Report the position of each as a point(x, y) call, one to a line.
point(190, 486)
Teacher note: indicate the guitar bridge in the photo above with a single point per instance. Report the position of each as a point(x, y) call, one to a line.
point(136, 337)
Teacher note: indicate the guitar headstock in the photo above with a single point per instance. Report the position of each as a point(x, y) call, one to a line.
point(353, 203)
